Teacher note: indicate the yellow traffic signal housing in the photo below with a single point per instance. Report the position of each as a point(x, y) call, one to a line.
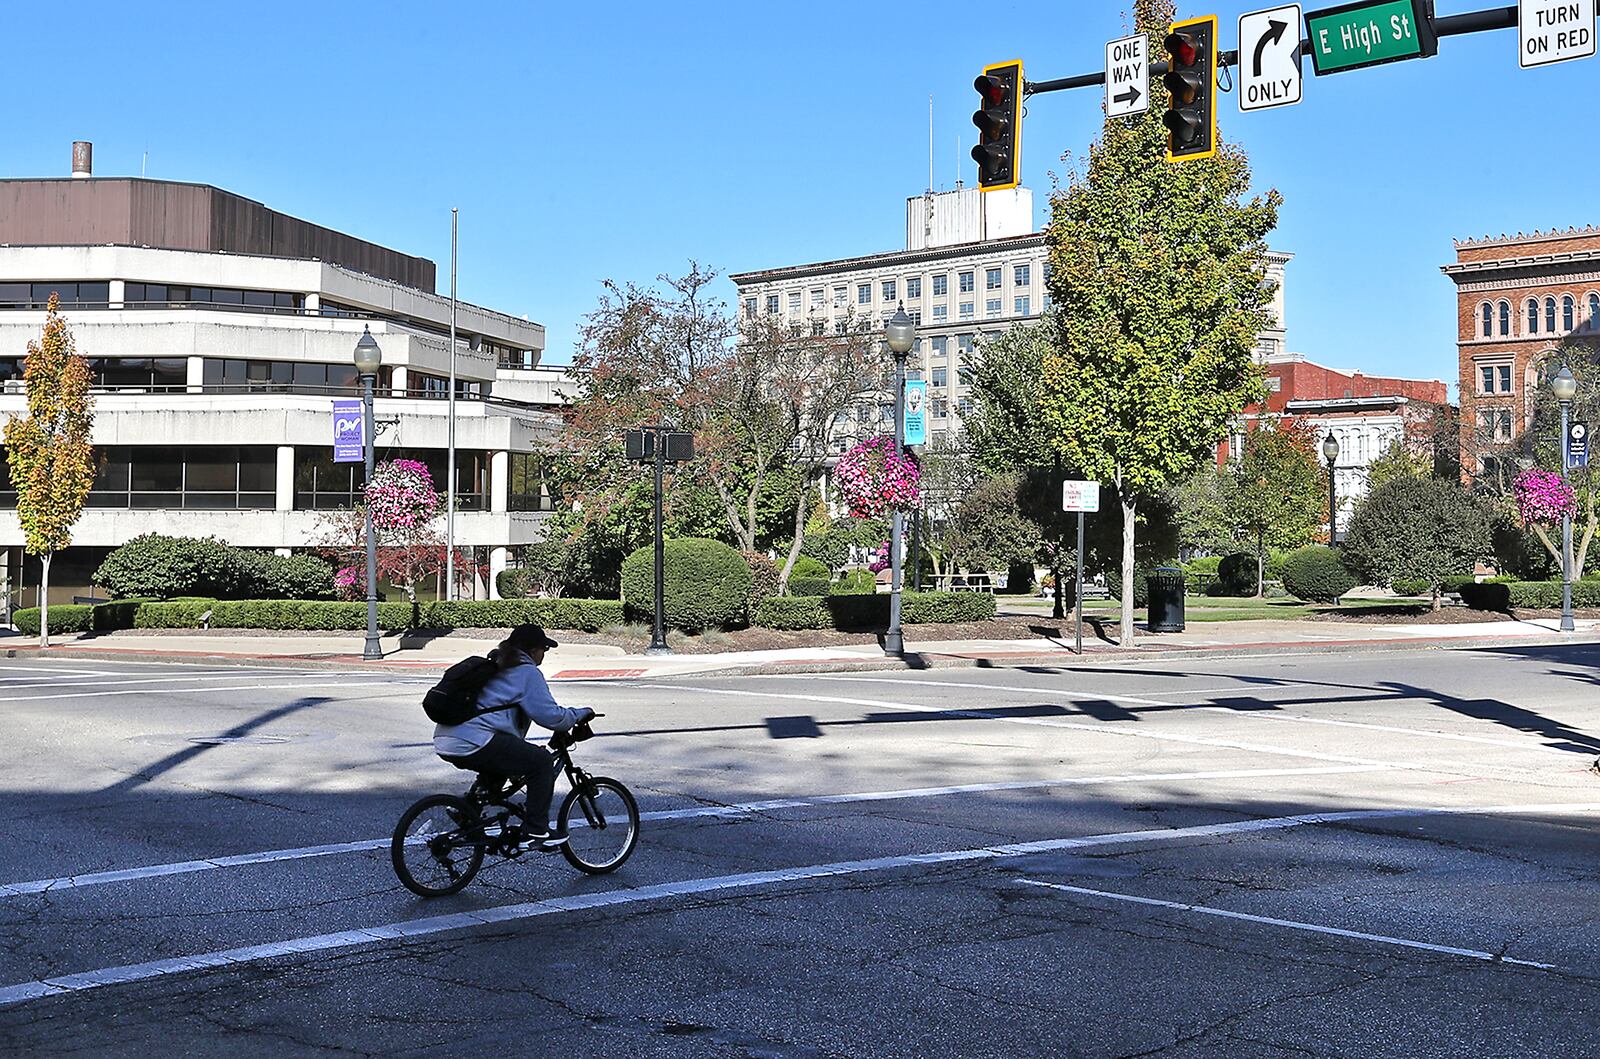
point(999, 122)
point(1191, 81)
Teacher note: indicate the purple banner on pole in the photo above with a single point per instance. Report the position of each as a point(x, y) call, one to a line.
point(347, 433)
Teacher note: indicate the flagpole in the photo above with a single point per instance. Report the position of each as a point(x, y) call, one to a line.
point(450, 462)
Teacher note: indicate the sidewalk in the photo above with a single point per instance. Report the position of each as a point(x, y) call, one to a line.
point(580, 661)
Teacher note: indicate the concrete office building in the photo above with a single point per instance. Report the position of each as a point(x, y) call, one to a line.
point(972, 267)
point(218, 333)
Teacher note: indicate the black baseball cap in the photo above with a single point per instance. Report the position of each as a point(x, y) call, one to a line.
point(529, 637)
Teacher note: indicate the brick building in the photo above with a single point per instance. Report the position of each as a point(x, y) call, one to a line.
point(1517, 298)
point(1366, 413)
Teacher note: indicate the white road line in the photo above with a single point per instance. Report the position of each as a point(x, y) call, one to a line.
point(1514, 744)
point(414, 928)
point(1358, 935)
point(181, 691)
point(1049, 722)
point(1053, 692)
point(101, 878)
point(292, 675)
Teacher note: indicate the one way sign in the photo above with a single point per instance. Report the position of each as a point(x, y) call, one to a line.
point(1127, 77)
point(1269, 58)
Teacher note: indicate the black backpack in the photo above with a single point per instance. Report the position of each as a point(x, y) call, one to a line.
point(454, 700)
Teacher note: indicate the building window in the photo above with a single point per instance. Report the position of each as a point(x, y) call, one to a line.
point(964, 406)
point(772, 304)
point(1488, 320)
point(165, 296)
point(967, 282)
point(991, 307)
point(863, 294)
point(941, 285)
point(841, 326)
point(991, 279)
point(1019, 275)
point(749, 307)
point(941, 312)
point(321, 484)
point(840, 296)
point(1486, 379)
point(888, 290)
point(816, 297)
point(1549, 314)
point(1019, 305)
point(939, 376)
point(964, 343)
point(794, 301)
point(913, 286)
point(1505, 378)
point(37, 295)
point(941, 345)
point(941, 407)
point(1505, 319)
point(1568, 310)
point(1533, 316)
point(1594, 312)
point(196, 477)
point(966, 310)
point(526, 489)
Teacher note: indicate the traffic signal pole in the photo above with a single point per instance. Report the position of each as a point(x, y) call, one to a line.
point(1449, 26)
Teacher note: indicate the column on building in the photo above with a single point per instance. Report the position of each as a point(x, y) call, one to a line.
point(285, 479)
point(196, 377)
point(499, 556)
point(499, 489)
point(118, 292)
point(314, 303)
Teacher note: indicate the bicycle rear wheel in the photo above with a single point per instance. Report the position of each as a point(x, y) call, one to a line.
point(438, 846)
point(604, 830)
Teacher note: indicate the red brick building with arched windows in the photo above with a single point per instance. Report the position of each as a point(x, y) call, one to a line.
point(1517, 298)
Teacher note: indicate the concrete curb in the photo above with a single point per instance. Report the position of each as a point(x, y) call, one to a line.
point(617, 668)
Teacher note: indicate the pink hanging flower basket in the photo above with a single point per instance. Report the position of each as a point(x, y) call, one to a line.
point(873, 478)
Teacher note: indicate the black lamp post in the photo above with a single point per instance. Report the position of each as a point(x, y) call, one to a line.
point(1565, 388)
point(368, 359)
point(1330, 452)
point(900, 334)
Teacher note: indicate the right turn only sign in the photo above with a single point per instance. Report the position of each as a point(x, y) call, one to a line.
point(1269, 58)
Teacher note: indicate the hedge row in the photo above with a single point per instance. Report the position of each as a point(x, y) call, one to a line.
point(1503, 595)
point(322, 615)
point(861, 612)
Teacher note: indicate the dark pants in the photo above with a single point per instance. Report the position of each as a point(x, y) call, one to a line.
point(506, 755)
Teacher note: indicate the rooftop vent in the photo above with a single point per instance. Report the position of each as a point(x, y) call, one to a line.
point(82, 159)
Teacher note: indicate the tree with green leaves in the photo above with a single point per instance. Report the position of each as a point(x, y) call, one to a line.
point(48, 451)
point(1201, 506)
point(1275, 492)
point(1159, 279)
point(1399, 460)
point(989, 531)
point(1424, 529)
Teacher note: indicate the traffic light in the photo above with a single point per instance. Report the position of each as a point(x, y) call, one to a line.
point(999, 122)
point(1191, 80)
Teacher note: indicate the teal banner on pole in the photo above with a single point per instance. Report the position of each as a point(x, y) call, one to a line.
point(916, 422)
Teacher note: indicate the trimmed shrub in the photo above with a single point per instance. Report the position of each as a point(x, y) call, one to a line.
point(119, 615)
point(1019, 579)
point(1489, 595)
point(268, 576)
point(763, 582)
point(1542, 595)
point(806, 566)
point(1236, 575)
point(590, 615)
point(1410, 586)
point(809, 586)
point(1315, 573)
point(794, 612)
point(706, 584)
point(64, 617)
point(511, 584)
point(855, 582)
point(172, 614)
point(856, 612)
point(160, 567)
point(316, 615)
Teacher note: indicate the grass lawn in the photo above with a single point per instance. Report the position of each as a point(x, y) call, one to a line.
point(1215, 608)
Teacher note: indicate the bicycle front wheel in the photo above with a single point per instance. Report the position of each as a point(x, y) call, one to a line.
point(438, 846)
point(602, 824)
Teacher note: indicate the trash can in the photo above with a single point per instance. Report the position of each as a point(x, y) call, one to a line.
point(1165, 613)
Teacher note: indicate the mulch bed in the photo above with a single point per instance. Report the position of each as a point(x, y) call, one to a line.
point(1421, 615)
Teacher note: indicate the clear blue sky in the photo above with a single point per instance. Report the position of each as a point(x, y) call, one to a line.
point(585, 141)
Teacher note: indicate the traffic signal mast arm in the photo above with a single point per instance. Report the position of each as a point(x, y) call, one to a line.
point(1448, 26)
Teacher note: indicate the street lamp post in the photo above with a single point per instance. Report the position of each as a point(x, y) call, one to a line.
point(900, 334)
point(368, 358)
point(1330, 452)
point(1565, 387)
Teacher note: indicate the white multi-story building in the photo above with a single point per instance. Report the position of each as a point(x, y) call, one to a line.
point(972, 267)
point(218, 332)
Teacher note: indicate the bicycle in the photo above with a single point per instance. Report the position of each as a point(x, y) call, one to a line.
point(441, 841)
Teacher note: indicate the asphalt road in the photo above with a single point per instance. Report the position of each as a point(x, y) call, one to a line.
point(1381, 854)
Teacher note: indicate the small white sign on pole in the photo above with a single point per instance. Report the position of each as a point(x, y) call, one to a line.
point(1080, 496)
point(1127, 77)
point(1554, 32)
point(1269, 58)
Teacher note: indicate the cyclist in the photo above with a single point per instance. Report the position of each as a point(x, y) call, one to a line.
point(495, 741)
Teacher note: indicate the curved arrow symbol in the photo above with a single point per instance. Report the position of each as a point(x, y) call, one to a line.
point(1273, 35)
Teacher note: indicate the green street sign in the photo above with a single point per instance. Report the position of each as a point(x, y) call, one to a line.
point(1370, 33)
